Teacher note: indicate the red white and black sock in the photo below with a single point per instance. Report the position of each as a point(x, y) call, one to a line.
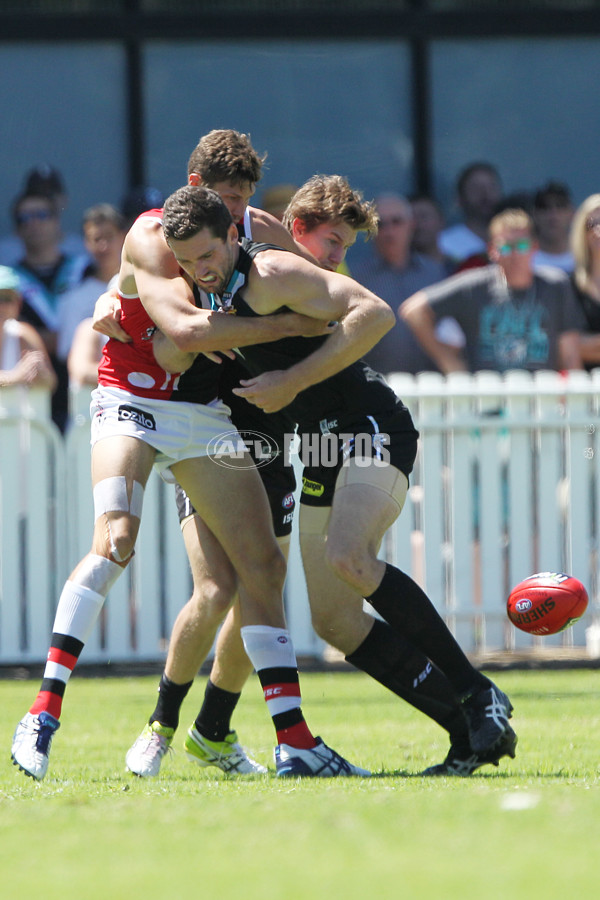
point(272, 654)
point(76, 615)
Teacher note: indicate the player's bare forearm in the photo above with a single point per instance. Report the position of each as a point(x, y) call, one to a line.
point(357, 333)
point(363, 318)
point(354, 336)
point(215, 331)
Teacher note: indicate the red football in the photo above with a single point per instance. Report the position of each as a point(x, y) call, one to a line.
point(546, 603)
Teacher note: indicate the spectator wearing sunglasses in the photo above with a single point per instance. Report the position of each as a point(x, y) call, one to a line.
point(394, 271)
point(514, 316)
point(42, 179)
point(45, 272)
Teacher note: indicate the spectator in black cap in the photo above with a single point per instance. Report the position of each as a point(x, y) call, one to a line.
point(45, 273)
point(552, 214)
point(43, 180)
point(46, 180)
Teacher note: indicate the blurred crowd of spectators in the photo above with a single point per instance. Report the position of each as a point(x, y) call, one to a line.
point(511, 282)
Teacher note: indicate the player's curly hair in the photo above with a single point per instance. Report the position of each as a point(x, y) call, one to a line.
point(226, 155)
point(329, 198)
point(190, 209)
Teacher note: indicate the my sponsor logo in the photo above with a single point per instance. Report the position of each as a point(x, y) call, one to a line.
point(234, 450)
point(312, 487)
point(131, 414)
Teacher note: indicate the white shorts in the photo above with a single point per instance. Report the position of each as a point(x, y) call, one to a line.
point(176, 430)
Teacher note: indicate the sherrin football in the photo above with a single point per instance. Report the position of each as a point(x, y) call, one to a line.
point(546, 603)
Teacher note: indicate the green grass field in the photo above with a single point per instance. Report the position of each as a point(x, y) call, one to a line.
point(525, 830)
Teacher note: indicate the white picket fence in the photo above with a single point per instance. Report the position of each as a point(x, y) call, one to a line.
point(507, 483)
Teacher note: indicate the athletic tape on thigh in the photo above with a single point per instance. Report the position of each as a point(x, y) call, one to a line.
point(110, 495)
point(97, 573)
point(314, 519)
point(386, 478)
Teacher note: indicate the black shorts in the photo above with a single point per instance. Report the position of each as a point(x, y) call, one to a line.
point(269, 455)
point(389, 436)
point(280, 484)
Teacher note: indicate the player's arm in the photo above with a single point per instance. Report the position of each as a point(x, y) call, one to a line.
point(418, 314)
point(168, 299)
point(362, 320)
point(107, 316)
point(266, 229)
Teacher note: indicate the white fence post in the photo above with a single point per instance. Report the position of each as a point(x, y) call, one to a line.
point(33, 507)
point(507, 482)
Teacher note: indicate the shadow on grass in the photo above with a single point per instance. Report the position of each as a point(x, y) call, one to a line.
point(479, 776)
point(588, 696)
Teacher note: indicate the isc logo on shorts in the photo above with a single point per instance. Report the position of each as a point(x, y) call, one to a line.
point(131, 414)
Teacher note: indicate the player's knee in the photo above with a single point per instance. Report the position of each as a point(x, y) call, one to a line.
point(122, 547)
point(350, 565)
point(117, 517)
point(267, 569)
point(115, 539)
point(215, 595)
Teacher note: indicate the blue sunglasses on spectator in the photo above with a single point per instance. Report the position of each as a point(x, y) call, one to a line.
point(30, 216)
point(522, 246)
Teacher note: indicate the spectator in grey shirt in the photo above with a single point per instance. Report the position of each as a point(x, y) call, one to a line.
point(513, 316)
point(395, 272)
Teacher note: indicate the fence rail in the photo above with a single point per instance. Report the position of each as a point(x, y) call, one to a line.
point(507, 483)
